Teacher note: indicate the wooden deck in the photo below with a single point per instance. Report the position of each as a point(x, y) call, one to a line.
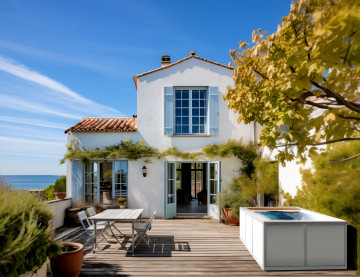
point(186, 247)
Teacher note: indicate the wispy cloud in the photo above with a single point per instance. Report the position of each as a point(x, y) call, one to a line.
point(22, 72)
point(16, 140)
point(32, 122)
point(19, 104)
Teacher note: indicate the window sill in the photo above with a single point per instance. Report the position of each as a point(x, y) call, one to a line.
point(192, 136)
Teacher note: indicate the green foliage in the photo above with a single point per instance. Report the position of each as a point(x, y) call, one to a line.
point(138, 150)
point(60, 184)
point(235, 148)
point(232, 199)
point(333, 188)
point(24, 232)
point(264, 180)
point(310, 62)
point(49, 192)
point(125, 149)
point(174, 151)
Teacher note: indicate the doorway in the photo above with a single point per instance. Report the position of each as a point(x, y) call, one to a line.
point(191, 188)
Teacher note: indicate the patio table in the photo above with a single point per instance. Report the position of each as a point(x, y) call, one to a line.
point(118, 215)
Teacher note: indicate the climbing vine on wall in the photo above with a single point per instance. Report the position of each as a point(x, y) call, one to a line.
point(138, 150)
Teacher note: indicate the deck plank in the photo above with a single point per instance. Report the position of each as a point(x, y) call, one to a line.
point(182, 247)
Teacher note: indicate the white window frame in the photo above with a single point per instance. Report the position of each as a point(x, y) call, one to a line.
point(206, 125)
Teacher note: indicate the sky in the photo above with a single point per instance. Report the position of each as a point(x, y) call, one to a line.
point(64, 60)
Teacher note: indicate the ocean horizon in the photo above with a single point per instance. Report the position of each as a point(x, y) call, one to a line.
point(29, 182)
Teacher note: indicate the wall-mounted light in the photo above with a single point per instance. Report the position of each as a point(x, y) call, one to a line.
point(144, 171)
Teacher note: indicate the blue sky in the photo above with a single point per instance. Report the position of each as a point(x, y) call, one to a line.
point(64, 60)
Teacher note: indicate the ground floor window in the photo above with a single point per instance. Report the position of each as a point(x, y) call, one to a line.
point(105, 181)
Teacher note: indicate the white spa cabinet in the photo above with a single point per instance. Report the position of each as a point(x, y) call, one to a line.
point(316, 244)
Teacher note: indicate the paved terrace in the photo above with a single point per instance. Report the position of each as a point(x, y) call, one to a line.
point(182, 247)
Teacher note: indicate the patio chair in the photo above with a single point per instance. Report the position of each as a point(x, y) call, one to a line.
point(141, 230)
point(92, 212)
point(90, 229)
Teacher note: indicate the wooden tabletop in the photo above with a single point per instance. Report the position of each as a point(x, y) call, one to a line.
point(118, 215)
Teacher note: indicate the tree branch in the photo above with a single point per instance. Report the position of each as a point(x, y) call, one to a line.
point(260, 74)
point(349, 117)
point(345, 160)
point(319, 143)
point(338, 97)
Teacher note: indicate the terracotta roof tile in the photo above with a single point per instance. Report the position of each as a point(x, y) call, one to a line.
point(88, 124)
point(179, 61)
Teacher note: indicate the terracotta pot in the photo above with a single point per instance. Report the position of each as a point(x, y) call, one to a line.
point(69, 262)
point(229, 218)
point(60, 195)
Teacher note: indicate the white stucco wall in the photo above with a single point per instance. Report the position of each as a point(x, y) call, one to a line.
point(290, 177)
point(148, 193)
point(191, 72)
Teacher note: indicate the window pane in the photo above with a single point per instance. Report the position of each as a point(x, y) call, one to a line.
point(178, 120)
point(195, 129)
point(185, 103)
point(212, 187)
point(195, 103)
point(178, 129)
point(202, 94)
point(185, 111)
point(178, 103)
point(202, 129)
point(202, 112)
point(185, 120)
point(171, 170)
point(202, 120)
point(195, 94)
point(123, 178)
point(177, 111)
point(195, 112)
point(195, 120)
point(178, 94)
point(171, 186)
point(185, 129)
point(185, 94)
point(202, 103)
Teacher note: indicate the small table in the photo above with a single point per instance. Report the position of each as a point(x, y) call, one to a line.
point(118, 215)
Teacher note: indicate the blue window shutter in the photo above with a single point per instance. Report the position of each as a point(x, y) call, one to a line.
point(213, 111)
point(168, 111)
point(76, 180)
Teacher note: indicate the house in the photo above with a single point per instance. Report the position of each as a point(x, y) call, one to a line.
point(178, 104)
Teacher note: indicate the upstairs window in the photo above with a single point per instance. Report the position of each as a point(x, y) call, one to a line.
point(190, 111)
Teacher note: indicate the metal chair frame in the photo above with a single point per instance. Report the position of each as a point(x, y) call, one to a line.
point(142, 229)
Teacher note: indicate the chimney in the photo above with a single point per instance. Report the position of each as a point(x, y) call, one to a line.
point(193, 53)
point(165, 60)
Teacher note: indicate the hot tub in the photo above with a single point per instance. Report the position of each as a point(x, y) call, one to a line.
point(291, 238)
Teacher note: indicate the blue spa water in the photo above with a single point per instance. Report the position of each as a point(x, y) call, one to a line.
point(280, 215)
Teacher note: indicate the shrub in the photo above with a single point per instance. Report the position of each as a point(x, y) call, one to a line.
point(232, 199)
point(24, 232)
point(60, 184)
point(49, 192)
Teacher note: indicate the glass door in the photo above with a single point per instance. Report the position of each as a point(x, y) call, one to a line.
point(120, 180)
point(91, 188)
point(170, 189)
point(214, 188)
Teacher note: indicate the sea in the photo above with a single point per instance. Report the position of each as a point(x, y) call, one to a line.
point(29, 182)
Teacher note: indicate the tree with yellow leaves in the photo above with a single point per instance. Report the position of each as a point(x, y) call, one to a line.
point(302, 83)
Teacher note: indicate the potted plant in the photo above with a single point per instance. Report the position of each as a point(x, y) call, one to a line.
point(122, 202)
point(26, 232)
point(71, 213)
point(70, 260)
point(230, 201)
point(60, 188)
